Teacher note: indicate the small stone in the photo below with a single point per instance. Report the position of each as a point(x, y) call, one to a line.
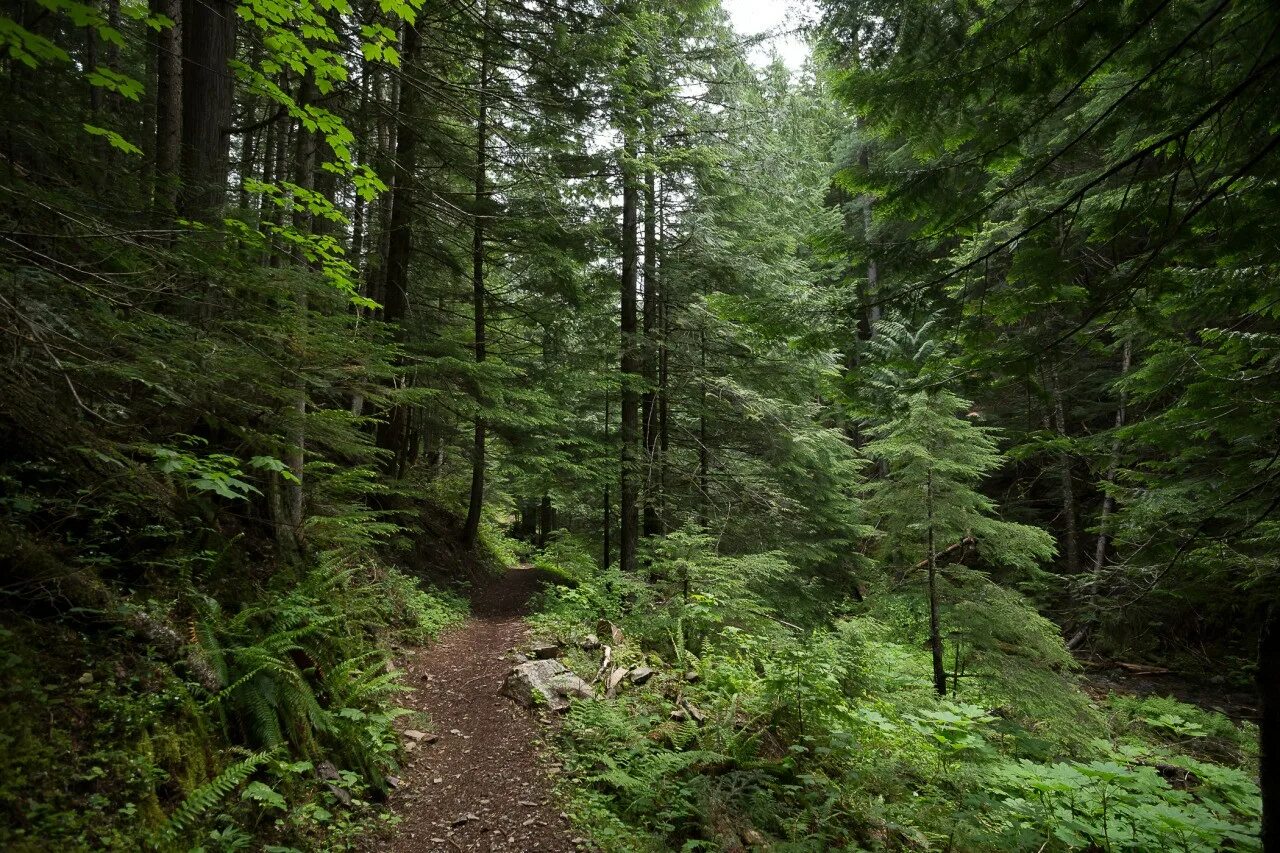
point(436, 781)
point(415, 734)
point(528, 803)
point(679, 716)
point(692, 677)
point(395, 782)
point(528, 822)
point(325, 770)
point(591, 643)
point(641, 674)
point(340, 794)
point(464, 819)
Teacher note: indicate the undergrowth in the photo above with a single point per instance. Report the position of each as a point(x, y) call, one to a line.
point(764, 730)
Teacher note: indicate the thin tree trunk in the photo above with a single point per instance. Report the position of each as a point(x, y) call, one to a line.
point(649, 405)
point(1070, 533)
point(704, 457)
point(1113, 466)
point(607, 552)
point(472, 527)
point(631, 369)
point(935, 629)
point(1268, 680)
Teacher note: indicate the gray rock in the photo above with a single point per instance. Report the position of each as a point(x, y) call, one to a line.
point(591, 643)
point(545, 682)
point(545, 650)
point(641, 674)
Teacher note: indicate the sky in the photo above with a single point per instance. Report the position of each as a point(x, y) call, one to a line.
point(755, 16)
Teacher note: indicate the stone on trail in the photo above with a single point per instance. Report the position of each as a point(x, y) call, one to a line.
point(547, 680)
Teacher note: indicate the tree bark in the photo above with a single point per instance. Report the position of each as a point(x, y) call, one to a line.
point(1268, 680)
point(1070, 533)
point(393, 433)
point(631, 369)
point(1113, 466)
point(208, 45)
point(649, 405)
point(935, 629)
point(472, 527)
point(606, 557)
point(168, 120)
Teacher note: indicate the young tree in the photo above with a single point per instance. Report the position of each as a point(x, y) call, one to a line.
point(935, 460)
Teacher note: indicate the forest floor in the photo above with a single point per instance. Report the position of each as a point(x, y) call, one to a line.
point(481, 778)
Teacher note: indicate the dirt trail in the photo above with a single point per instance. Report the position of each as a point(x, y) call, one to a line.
point(481, 784)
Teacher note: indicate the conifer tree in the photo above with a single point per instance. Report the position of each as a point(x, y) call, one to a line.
point(935, 461)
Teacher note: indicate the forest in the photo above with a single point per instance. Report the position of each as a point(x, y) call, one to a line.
point(873, 452)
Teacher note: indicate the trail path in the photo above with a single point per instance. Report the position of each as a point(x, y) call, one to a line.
point(480, 785)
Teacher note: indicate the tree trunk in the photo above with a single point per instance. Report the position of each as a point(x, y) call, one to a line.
point(546, 520)
point(1269, 727)
point(393, 433)
point(1070, 534)
point(631, 369)
point(1113, 466)
point(472, 527)
point(607, 550)
point(208, 46)
point(168, 120)
point(935, 629)
point(649, 405)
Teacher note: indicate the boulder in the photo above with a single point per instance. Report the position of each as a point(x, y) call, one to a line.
point(545, 682)
point(591, 643)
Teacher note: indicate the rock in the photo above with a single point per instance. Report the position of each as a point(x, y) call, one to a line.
point(692, 677)
point(641, 674)
point(591, 643)
point(395, 782)
point(545, 682)
point(679, 716)
point(325, 770)
point(464, 819)
point(340, 794)
point(615, 678)
point(545, 650)
point(414, 734)
point(694, 712)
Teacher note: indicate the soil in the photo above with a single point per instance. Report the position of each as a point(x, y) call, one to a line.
point(1103, 676)
point(480, 780)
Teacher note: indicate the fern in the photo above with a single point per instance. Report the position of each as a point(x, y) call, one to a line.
point(205, 798)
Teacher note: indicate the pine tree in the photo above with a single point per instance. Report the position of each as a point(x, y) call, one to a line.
point(935, 459)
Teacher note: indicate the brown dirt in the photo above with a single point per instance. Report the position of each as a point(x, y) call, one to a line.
point(483, 784)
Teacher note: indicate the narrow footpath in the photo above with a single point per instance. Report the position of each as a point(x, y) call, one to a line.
point(476, 780)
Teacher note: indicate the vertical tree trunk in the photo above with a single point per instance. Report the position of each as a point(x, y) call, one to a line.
point(631, 369)
point(208, 45)
point(704, 456)
point(606, 556)
point(546, 520)
point(1070, 533)
point(393, 433)
point(664, 379)
point(1268, 680)
point(935, 628)
point(472, 527)
point(649, 405)
point(1113, 466)
point(168, 119)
